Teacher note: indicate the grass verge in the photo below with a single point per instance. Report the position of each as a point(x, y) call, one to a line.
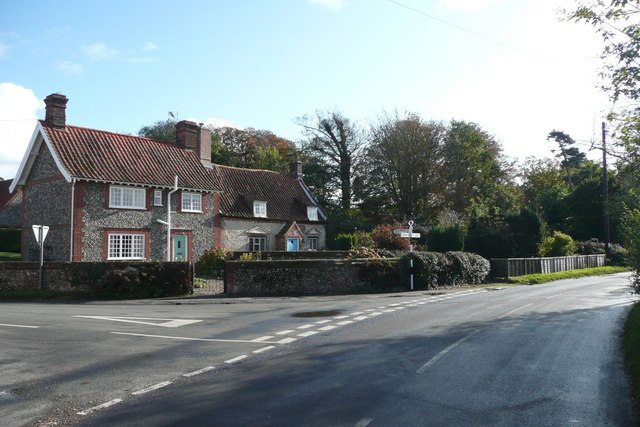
point(631, 344)
point(9, 256)
point(535, 279)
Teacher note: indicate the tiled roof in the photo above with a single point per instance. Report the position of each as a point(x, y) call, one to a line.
point(112, 157)
point(286, 199)
point(5, 196)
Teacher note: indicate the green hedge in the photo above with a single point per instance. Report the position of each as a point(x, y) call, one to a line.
point(134, 280)
point(436, 269)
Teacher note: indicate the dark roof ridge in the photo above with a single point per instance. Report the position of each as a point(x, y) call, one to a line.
point(249, 169)
point(113, 133)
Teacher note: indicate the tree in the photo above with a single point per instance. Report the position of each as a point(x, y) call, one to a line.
point(473, 167)
point(335, 142)
point(403, 165)
point(618, 23)
point(544, 190)
point(571, 157)
point(162, 130)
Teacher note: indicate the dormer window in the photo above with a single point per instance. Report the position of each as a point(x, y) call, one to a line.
point(312, 213)
point(260, 209)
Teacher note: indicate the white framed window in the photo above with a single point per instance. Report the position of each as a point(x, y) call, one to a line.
point(260, 209)
point(312, 213)
point(257, 244)
point(127, 197)
point(157, 197)
point(191, 202)
point(126, 246)
point(313, 243)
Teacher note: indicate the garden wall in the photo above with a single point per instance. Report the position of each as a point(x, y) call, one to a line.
point(100, 279)
point(295, 277)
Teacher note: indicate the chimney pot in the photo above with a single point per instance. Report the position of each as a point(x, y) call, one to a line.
point(55, 106)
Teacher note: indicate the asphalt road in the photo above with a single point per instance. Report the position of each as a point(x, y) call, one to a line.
point(526, 355)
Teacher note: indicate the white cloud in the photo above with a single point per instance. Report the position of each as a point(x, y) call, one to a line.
point(149, 46)
point(334, 5)
point(69, 67)
point(466, 5)
point(18, 109)
point(100, 52)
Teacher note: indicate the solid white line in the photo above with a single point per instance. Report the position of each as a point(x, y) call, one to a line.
point(187, 339)
point(307, 326)
point(438, 356)
point(514, 310)
point(327, 328)
point(557, 295)
point(364, 422)
point(95, 408)
point(263, 349)
point(19, 326)
point(345, 322)
point(236, 359)
point(307, 334)
point(288, 331)
point(199, 371)
point(287, 340)
point(266, 337)
point(152, 388)
point(320, 322)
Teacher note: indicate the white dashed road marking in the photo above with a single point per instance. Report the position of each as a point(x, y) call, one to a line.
point(307, 326)
point(152, 388)
point(96, 408)
point(166, 323)
point(263, 349)
point(364, 422)
point(236, 359)
point(199, 371)
point(439, 356)
point(19, 326)
point(186, 338)
point(288, 331)
point(307, 334)
point(266, 337)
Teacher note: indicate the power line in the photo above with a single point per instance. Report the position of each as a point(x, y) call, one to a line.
point(466, 30)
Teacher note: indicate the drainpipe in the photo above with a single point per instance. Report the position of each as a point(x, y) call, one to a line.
point(73, 193)
point(175, 188)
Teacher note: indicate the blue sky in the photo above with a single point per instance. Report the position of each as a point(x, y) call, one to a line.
point(509, 65)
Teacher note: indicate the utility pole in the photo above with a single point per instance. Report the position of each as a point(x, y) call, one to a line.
point(605, 194)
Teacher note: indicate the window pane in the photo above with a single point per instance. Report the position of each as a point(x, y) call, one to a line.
point(157, 197)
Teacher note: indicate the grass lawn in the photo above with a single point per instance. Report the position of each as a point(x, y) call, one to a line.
point(9, 256)
point(535, 279)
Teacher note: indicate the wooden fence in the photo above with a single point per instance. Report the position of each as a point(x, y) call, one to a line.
point(508, 267)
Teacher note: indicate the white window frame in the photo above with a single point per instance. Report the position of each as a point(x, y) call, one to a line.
point(126, 246)
point(257, 244)
point(312, 213)
point(157, 197)
point(127, 197)
point(313, 246)
point(260, 209)
point(191, 202)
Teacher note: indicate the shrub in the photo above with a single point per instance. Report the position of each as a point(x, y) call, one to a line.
point(251, 256)
point(446, 238)
point(380, 274)
point(362, 252)
point(630, 228)
point(346, 241)
point(558, 244)
point(436, 269)
point(211, 263)
point(384, 238)
point(617, 254)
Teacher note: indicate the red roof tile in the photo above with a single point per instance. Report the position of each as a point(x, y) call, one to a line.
point(111, 157)
point(286, 199)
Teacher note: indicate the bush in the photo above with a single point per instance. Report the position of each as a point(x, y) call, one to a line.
point(380, 274)
point(558, 244)
point(630, 230)
point(445, 239)
point(211, 263)
point(384, 238)
point(436, 269)
point(346, 241)
point(146, 280)
point(617, 254)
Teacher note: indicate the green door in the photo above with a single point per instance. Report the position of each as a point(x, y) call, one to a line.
point(180, 247)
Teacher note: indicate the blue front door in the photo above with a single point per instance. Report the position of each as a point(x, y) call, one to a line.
point(293, 244)
point(180, 247)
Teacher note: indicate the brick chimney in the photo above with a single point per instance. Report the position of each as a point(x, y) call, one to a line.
point(295, 169)
point(187, 134)
point(204, 145)
point(55, 106)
